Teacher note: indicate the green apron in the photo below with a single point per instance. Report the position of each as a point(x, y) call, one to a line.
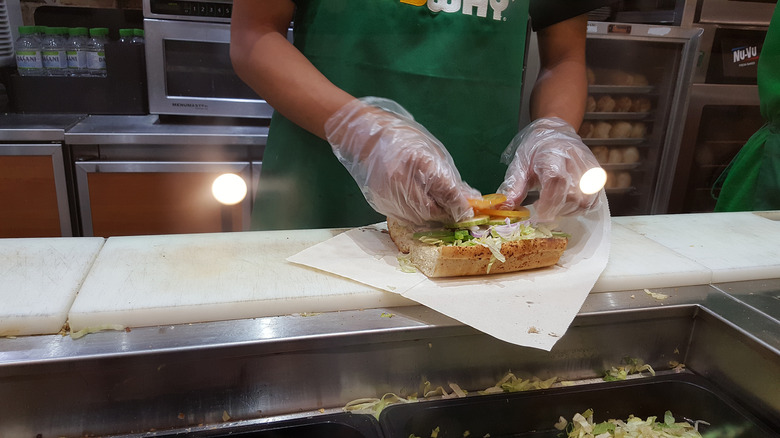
point(455, 66)
point(752, 180)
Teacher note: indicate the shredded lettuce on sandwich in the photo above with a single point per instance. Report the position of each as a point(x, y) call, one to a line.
point(491, 236)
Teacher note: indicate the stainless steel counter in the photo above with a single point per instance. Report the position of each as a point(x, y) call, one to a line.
point(80, 129)
point(36, 127)
point(218, 375)
point(151, 129)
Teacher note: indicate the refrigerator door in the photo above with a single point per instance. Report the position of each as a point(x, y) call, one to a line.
point(639, 79)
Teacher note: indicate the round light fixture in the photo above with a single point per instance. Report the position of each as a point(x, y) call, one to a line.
point(229, 189)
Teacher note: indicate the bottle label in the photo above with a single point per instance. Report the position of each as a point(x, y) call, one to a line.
point(54, 59)
point(77, 59)
point(96, 60)
point(28, 59)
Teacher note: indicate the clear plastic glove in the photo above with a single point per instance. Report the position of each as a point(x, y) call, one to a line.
point(548, 155)
point(403, 171)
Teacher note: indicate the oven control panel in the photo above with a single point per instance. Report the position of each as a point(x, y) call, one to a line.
point(190, 10)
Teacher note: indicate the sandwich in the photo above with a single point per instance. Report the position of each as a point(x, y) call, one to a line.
point(493, 241)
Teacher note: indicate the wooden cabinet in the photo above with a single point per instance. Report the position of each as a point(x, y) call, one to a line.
point(33, 191)
point(133, 198)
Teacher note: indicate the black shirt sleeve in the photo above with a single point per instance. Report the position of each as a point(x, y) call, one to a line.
point(548, 12)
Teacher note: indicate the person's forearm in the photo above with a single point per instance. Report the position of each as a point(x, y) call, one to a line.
point(562, 88)
point(280, 74)
point(561, 92)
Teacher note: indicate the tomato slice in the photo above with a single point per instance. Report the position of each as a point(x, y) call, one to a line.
point(487, 201)
point(520, 213)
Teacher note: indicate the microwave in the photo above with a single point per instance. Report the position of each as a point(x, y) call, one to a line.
point(188, 66)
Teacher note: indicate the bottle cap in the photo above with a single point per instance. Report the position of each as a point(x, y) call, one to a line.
point(138, 32)
point(125, 32)
point(77, 31)
point(98, 31)
point(27, 30)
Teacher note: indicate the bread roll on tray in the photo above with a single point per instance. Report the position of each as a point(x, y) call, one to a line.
point(620, 130)
point(590, 104)
point(605, 104)
point(601, 130)
point(623, 104)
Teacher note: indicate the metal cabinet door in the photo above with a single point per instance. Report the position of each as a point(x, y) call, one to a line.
point(136, 198)
point(33, 191)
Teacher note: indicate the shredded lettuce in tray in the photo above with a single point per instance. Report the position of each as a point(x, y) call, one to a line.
point(509, 383)
point(583, 426)
point(632, 366)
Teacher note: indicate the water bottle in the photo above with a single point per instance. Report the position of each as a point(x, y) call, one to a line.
point(76, 51)
point(55, 61)
point(28, 52)
point(138, 36)
point(39, 32)
point(96, 51)
point(126, 36)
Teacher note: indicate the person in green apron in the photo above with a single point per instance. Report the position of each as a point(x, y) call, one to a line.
point(752, 180)
point(442, 72)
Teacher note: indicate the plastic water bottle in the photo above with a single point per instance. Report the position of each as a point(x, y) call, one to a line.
point(138, 36)
point(28, 52)
point(76, 51)
point(55, 61)
point(39, 32)
point(96, 51)
point(126, 36)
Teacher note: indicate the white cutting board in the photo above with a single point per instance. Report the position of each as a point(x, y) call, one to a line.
point(39, 279)
point(734, 246)
point(171, 279)
point(637, 262)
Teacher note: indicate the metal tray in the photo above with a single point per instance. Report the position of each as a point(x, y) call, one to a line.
point(342, 425)
point(533, 414)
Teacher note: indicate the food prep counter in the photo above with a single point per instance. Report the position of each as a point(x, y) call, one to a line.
point(290, 371)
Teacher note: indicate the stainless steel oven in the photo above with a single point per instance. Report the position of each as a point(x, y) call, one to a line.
point(188, 61)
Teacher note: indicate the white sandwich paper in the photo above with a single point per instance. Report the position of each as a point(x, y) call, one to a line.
point(531, 308)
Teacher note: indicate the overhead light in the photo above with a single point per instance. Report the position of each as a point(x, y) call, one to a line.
point(229, 189)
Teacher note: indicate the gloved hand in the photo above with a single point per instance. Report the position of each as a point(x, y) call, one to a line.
point(549, 155)
point(403, 171)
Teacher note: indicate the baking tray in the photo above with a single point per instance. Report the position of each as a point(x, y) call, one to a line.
point(533, 413)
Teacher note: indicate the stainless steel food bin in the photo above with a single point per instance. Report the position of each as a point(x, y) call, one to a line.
point(216, 378)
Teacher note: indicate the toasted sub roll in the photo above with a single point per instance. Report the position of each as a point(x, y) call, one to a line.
point(453, 261)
